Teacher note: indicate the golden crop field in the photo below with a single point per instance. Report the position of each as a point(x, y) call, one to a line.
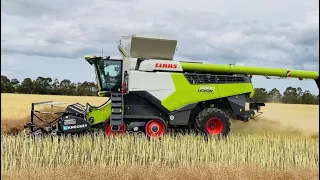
point(282, 143)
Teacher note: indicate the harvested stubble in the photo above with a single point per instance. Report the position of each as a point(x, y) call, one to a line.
point(264, 149)
point(200, 172)
point(123, 157)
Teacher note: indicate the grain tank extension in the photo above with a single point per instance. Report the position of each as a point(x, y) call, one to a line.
point(148, 92)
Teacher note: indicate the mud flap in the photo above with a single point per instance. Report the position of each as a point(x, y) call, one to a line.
point(237, 104)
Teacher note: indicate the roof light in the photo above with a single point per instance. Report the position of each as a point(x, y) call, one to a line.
point(87, 57)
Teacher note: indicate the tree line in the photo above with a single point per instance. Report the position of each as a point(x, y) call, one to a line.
point(290, 96)
point(45, 85)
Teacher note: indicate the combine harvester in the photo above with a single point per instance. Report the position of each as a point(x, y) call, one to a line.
point(147, 91)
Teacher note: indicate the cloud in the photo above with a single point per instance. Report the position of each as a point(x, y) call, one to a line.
point(59, 33)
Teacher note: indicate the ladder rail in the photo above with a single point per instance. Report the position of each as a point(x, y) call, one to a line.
point(116, 117)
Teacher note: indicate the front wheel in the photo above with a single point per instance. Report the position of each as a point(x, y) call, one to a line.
point(155, 128)
point(212, 121)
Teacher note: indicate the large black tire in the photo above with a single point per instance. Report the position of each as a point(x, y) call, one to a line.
point(212, 121)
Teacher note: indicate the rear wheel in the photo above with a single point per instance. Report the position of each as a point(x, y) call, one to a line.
point(212, 121)
point(155, 128)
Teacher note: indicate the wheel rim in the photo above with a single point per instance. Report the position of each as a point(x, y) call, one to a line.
point(214, 126)
point(155, 128)
point(108, 131)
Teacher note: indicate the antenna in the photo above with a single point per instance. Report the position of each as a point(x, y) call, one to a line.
point(102, 53)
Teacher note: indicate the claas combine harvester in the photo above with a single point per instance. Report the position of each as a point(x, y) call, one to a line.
point(148, 92)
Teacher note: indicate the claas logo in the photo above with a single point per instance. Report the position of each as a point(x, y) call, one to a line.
point(166, 65)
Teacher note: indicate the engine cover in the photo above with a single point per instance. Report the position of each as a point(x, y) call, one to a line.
point(73, 124)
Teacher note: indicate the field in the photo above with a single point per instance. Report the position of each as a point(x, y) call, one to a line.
point(282, 143)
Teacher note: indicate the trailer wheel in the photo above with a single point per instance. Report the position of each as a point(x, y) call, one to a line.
point(108, 132)
point(212, 121)
point(155, 128)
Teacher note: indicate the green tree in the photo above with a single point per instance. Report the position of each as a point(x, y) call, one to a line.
point(5, 84)
point(14, 84)
point(65, 86)
point(43, 85)
point(274, 95)
point(308, 98)
point(26, 86)
point(260, 95)
point(55, 87)
point(292, 95)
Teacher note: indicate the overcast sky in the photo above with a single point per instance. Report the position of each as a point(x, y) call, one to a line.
point(51, 37)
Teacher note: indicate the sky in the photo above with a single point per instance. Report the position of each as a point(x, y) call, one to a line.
point(51, 37)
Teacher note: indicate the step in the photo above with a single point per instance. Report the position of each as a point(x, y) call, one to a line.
point(116, 105)
point(116, 117)
point(116, 110)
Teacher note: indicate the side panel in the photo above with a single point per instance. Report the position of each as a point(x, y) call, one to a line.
point(98, 115)
point(158, 84)
point(186, 93)
point(142, 104)
point(182, 115)
point(226, 90)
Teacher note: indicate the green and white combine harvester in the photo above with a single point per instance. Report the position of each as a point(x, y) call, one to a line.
point(148, 92)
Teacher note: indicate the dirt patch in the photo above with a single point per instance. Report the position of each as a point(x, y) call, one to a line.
point(283, 118)
point(262, 124)
point(149, 172)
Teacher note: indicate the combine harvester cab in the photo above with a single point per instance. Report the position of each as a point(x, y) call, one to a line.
point(149, 92)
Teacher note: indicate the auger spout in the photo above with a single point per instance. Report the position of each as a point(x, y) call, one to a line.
point(250, 70)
